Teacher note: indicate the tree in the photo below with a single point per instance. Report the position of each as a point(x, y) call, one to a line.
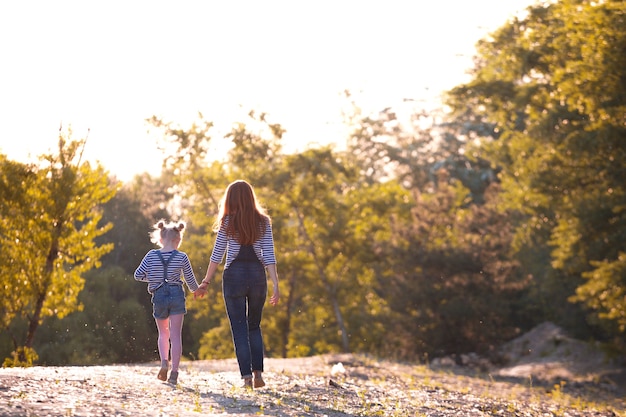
point(314, 185)
point(442, 267)
point(188, 150)
point(50, 237)
point(465, 285)
point(15, 179)
point(553, 85)
point(412, 150)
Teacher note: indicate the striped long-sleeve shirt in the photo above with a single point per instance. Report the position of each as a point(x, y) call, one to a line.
point(150, 270)
point(264, 248)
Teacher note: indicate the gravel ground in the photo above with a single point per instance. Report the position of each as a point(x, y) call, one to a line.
point(316, 386)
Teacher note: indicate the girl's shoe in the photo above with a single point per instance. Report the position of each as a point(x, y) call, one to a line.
point(165, 366)
point(247, 383)
point(173, 378)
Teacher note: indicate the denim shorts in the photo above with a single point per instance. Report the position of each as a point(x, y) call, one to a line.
point(168, 300)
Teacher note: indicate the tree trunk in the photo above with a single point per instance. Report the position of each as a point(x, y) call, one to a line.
point(287, 325)
point(33, 321)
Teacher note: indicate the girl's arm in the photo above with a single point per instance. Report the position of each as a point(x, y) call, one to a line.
point(190, 277)
point(141, 273)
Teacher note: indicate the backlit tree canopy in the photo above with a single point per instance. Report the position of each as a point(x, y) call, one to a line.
point(49, 221)
point(553, 86)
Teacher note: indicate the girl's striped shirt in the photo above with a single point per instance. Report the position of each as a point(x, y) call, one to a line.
point(150, 270)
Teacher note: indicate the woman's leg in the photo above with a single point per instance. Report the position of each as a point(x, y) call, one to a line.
point(236, 310)
point(176, 339)
point(240, 283)
point(256, 301)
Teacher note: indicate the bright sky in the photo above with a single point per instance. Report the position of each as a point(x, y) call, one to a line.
point(107, 66)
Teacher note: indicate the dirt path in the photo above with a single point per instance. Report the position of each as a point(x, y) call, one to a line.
point(295, 387)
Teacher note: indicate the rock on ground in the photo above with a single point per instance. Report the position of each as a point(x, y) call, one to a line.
point(548, 353)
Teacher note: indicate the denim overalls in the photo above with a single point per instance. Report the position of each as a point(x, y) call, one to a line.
point(168, 298)
point(244, 286)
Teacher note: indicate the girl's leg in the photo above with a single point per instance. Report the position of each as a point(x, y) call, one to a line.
point(163, 344)
point(164, 338)
point(176, 338)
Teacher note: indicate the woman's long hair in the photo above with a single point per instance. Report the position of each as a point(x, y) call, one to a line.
point(241, 215)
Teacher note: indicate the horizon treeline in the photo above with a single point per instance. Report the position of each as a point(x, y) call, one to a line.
point(426, 233)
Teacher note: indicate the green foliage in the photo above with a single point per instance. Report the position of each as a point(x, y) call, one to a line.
point(444, 266)
point(605, 290)
point(216, 343)
point(255, 147)
point(15, 179)
point(21, 357)
point(553, 86)
point(48, 234)
point(452, 282)
point(132, 212)
point(115, 326)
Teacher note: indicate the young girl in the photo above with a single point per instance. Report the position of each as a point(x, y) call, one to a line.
point(244, 233)
point(162, 269)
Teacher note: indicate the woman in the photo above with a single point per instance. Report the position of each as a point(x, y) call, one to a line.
point(244, 235)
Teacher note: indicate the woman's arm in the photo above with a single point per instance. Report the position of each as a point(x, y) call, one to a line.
point(202, 289)
point(274, 277)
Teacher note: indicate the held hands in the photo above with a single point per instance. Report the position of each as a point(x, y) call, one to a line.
point(201, 291)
